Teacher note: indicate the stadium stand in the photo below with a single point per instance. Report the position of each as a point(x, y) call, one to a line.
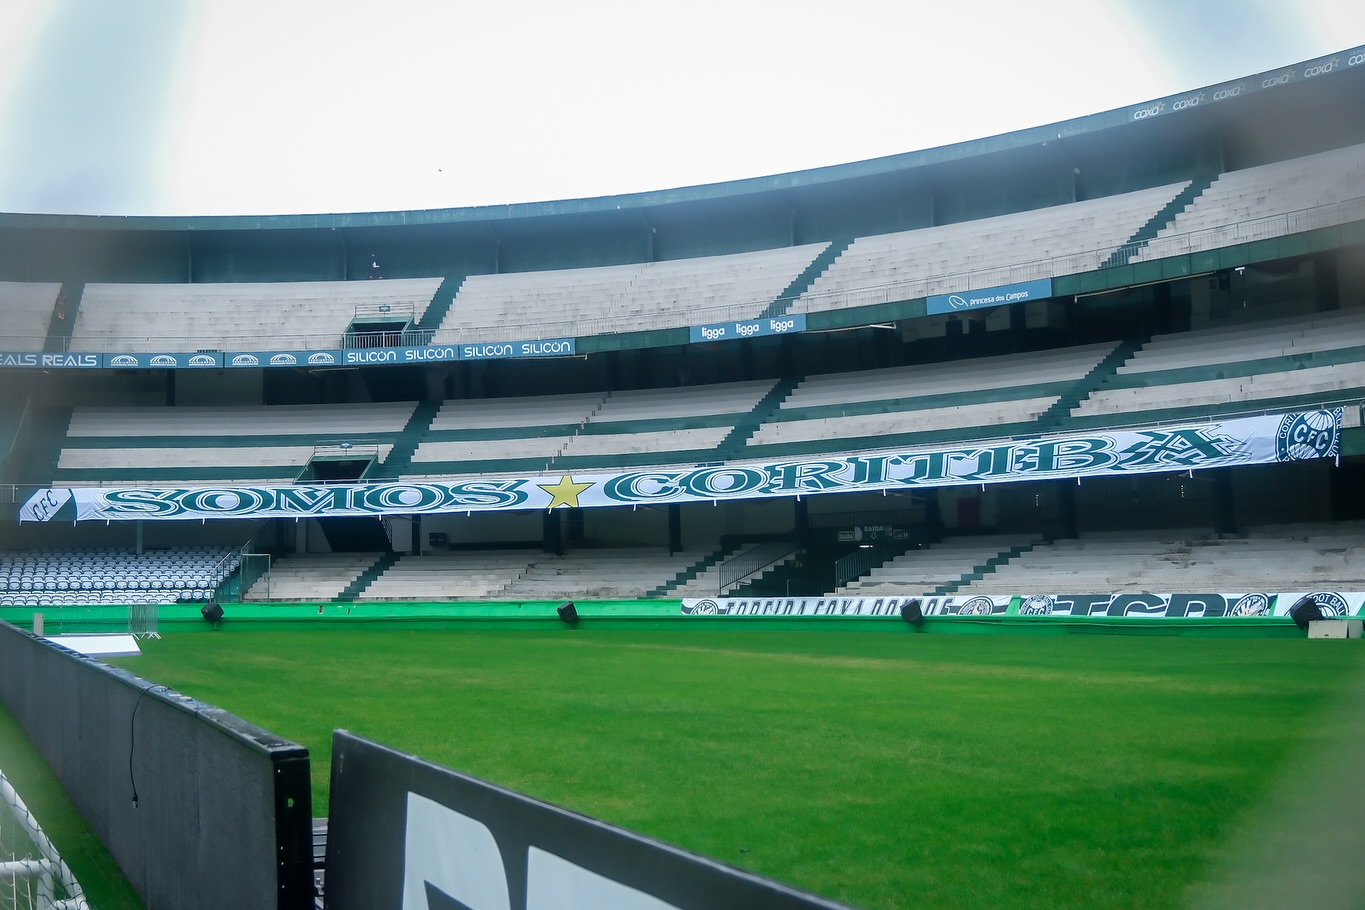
point(113, 575)
point(1111, 347)
point(643, 426)
point(580, 574)
point(1243, 366)
point(1043, 243)
point(622, 298)
point(310, 576)
point(938, 568)
point(963, 399)
point(1270, 558)
point(1271, 200)
point(276, 316)
point(482, 574)
point(228, 444)
point(25, 311)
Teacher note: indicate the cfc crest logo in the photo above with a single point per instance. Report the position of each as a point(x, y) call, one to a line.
point(1309, 435)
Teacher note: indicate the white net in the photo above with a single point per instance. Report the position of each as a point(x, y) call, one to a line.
point(32, 875)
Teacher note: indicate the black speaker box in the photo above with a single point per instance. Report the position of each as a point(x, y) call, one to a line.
point(1304, 611)
point(212, 612)
point(913, 614)
point(569, 613)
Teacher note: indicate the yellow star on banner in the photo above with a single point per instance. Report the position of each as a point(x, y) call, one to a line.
point(564, 493)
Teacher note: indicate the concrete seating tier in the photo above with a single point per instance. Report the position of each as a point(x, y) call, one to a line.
point(606, 573)
point(923, 571)
point(1238, 393)
point(987, 252)
point(702, 438)
point(25, 311)
point(474, 575)
point(310, 577)
point(1319, 557)
point(1268, 201)
point(1248, 341)
point(528, 575)
point(502, 413)
point(539, 448)
point(341, 421)
point(867, 427)
point(274, 316)
point(689, 401)
point(126, 444)
point(950, 377)
point(541, 430)
point(622, 298)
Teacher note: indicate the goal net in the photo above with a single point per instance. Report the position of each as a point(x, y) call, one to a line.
point(32, 875)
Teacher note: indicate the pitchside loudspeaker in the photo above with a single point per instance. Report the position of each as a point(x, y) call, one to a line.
point(212, 612)
point(1304, 611)
point(912, 613)
point(569, 613)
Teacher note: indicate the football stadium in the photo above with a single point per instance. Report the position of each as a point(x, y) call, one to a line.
point(970, 527)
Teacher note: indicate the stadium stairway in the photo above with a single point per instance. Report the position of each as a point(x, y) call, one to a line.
point(63, 317)
point(1052, 419)
point(441, 303)
point(1158, 222)
point(789, 576)
point(11, 416)
point(407, 440)
point(366, 578)
point(732, 445)
point(801, 283)
point(986, 568)
point(42, 443)
point(692, 571)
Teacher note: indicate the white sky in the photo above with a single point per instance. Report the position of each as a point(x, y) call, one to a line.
point(198, 107)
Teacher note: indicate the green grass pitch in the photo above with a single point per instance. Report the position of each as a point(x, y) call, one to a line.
point(881, 770)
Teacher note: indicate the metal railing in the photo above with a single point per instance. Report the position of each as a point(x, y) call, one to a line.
point(705, 311)
point(751, 562)
point(856, 564)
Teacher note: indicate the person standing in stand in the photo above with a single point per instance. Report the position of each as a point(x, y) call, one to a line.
point(374, 267)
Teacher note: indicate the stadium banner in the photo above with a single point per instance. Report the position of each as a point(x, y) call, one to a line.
point(1262, 439)
point(201, 360)
point(217, 360)
point(37, 361)
point(1334, 604)
point(1226, 91)
point(750, 328)
point(955, 605)
point(406, 834)
point(430, 353)
point(1004, 295)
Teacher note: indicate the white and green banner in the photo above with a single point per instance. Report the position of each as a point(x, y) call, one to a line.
point(1182, 447)
point(1332, 604)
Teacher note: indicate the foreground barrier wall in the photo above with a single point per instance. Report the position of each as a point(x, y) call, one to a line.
point(223, 814)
